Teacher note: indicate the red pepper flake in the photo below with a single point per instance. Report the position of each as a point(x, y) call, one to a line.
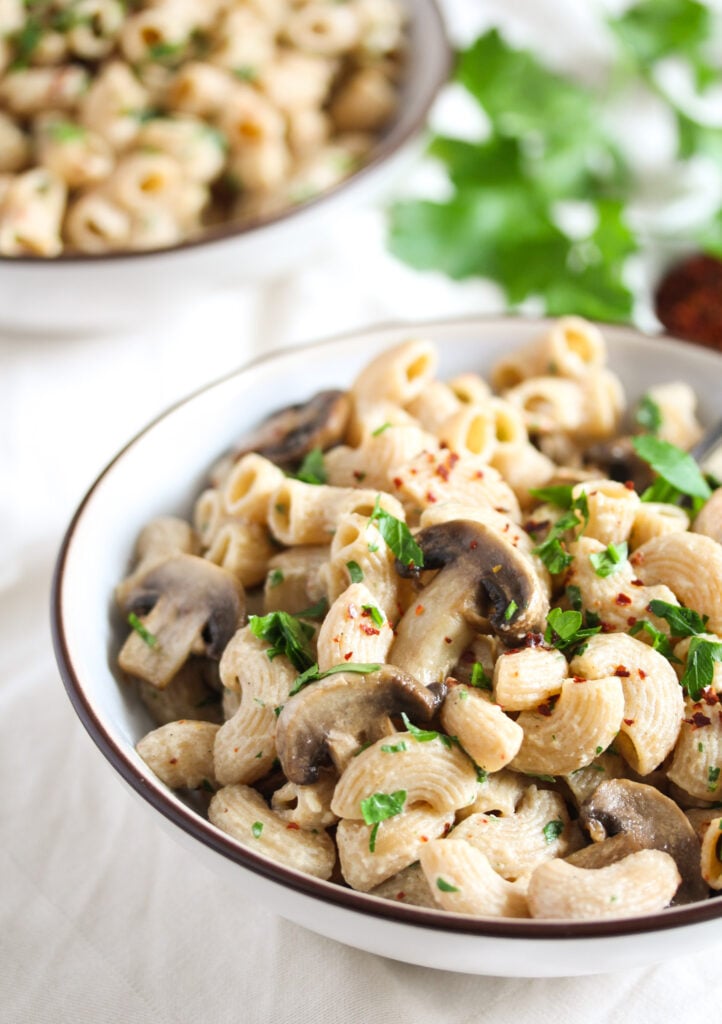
point(424, 839)
point(622, 599)
point(631, 620)
point(401, 895)
point(621, 671)
point(687, 301)
point(607, 627)
point(579, 679)
point(478, 475)
point(293, 826)
point(397, 481)
point(698, 720)
point(629, 484)
point(642, 674)
point(348, 657)
point(369, 630)
point(474, 545)
point(358, 475)
point(545, 709)
point(628, 721)
point(419, 610)
point(431, 497)
point(173, 760)
point(710, 697)
point(448, 640)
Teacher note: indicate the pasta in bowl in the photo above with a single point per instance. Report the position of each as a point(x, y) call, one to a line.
point(167, 127)
point(446, 669)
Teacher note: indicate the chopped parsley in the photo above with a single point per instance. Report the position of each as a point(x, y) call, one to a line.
point(551, 550)
point(681, 621)
point(648, 415)
point(312, 673)
point(445, 886)
point(479, 678)
point(355, 572)
point(65, 131)
point(553, 829)
point(422, 735)
point(381, 429)
point(699, 667)
point(313, 470)
point(509, 611)
point(398, 536)
point(565, 629)
point(712, 778)
point(275, 578)
point(287, 635)
point(256, 829)
point(678, 474)
point(380, 807)
point(660, 640)
point(375, 613)
point(560, 495)
point(145, 634)
point(610, 559)
point(394, 748)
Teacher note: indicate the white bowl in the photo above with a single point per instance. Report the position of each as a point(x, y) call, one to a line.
point(160, 472)
point(81, 293)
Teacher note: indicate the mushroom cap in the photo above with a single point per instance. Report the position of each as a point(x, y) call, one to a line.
point(342, 712)
point(187, 605)
point(286, 436)
point(652, 821)
point(501, 580)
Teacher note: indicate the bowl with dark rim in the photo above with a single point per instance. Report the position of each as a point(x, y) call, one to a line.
point(84, 293)
point(164, 468)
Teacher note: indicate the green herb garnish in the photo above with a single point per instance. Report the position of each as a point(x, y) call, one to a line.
point(551, 550)
point(380, 807)
point(681, 621)
point(287, 635)
point(648, 415)
point(509, 611)
point(256, 829)
point(712, 778)
point(560, 495)
point(275, 578)
point(553, 829)
point(699, 666)
point(660, 640)
point(397, 536)
point(610, 560)
point(479, 678)
point(394, 748)
point(145, 634)
point(375, 613)
point(678, 472)
point(565, 629)
point(381, 429)
point(312, 673)
point(445, 886)
point(355, 572)
point(313, 470)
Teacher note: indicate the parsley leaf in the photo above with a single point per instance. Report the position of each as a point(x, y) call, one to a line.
point(654, 29)
point(648, 415)
point(560, 495)
point(660, 640)
point(610, 559)
point(312, 470)
point(256, 829)
point(564, 629)
point(312, 673)
point(553, 829)
point(287, 635)
point(380, 807)
point(145, 634)
point(355, 572)
point(479, 678)
point(397, 536)
point(551, 550)
point(676, 467)
point(422, 735)
point(445, 886)
point(681, 621)
point(699, 667)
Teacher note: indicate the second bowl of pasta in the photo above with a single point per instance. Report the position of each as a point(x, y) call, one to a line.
point(144, 146)
point(425, 658)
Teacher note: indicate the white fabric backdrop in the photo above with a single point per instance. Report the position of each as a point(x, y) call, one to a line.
point(102, 916)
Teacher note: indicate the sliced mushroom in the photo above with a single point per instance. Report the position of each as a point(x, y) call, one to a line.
point(185, 605)
point(288, 435)
point(482, 577)
point(331, 719)
point(653, 821)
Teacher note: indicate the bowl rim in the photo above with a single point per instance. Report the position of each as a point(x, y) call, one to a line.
point(390, 144)
point(197, 827)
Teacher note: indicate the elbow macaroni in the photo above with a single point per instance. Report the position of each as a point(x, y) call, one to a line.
point(479, 805)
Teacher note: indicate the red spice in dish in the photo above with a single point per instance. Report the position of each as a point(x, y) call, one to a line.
point(689, 300)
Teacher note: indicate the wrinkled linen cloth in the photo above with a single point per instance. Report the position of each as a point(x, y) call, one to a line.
point(103, 916)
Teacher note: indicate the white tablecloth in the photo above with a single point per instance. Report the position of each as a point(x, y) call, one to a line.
point(103, 917)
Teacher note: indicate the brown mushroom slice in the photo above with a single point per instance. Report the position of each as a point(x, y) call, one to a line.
point(331, 719)
point(608, 851)
point(618, 459)
point(654, 822)
point(482, 577)
point(286, 436)
point(185, 605)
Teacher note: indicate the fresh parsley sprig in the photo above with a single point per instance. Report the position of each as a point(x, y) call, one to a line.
point(380, 807)
point(609, 560)
point(566, 629)
point(678, 474)
point(552, 551)
point(287, 635)
point(313, 469)
point(397, 536)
